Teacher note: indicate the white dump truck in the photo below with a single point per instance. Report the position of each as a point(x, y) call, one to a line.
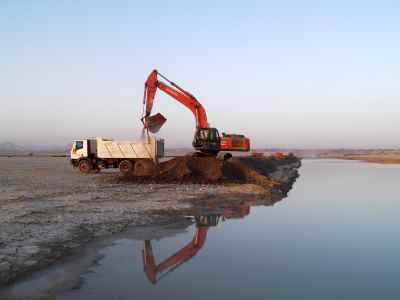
point(131, 157)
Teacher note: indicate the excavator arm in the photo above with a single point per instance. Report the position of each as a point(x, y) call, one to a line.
point(183, 255)
point(176, 92)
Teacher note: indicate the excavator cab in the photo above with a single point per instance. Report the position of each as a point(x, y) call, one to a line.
point(207, 140)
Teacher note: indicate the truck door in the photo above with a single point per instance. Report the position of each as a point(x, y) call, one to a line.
point(79, 149)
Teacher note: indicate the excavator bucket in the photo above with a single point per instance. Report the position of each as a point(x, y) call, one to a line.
point(154, 123)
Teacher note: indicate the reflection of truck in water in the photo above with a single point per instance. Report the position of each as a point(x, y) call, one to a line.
point(131, 157)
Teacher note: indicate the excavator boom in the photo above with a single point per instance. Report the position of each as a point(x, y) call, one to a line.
point(176, 92)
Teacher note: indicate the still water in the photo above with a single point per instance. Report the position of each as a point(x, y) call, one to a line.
point(334, 237)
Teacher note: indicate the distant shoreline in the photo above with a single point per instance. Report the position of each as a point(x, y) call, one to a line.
point(374, 158)
point(33, 155)
point(382, 156)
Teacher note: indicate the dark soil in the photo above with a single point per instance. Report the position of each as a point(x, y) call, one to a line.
point(189, 169)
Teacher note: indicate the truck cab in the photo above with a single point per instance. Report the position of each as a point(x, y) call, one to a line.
point(83, 149)
point(78, 149)
point(83, 153)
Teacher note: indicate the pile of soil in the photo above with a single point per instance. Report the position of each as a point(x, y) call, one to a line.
point(213, 170)
point(188, 168)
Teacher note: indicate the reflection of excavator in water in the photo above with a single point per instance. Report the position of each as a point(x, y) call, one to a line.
point(186, 253)
point(206, 139)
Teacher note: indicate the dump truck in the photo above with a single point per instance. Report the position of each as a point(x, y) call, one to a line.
point(136, 157)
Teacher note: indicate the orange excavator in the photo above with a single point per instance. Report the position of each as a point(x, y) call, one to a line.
point(152, 270)
point(206, 139)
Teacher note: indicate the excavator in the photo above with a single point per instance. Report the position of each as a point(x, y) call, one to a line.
point(207, 140)
point(156, 272)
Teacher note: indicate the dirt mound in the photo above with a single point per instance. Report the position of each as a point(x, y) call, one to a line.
point(189, 168)
point(238, 170)
point(213, 170)
point(243, 170)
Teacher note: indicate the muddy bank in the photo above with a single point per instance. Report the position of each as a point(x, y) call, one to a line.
point(48, 210)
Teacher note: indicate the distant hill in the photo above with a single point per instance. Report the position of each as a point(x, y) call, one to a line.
point(8, 148)
point(11, 148)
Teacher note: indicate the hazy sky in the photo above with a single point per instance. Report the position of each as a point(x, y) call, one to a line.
point(285, 73)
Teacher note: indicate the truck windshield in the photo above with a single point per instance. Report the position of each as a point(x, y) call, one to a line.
point(78, 145)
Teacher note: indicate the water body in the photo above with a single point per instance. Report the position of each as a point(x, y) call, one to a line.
point(334, 237)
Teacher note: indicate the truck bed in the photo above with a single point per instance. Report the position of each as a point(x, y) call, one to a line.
point(149, 148)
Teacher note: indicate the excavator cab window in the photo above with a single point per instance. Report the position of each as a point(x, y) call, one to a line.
point(213, 135)
point(203, 134)
point(207, 140)
point(209, 135)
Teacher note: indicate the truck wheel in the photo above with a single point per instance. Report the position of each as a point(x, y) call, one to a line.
point(227, 156)
point(144, 167)
point(125, 167)
point(84, 166)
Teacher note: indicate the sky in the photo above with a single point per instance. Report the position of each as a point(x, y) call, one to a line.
point(306, 74)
